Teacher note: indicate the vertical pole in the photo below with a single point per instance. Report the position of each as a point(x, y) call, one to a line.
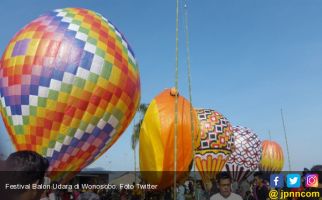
point(135, 164)
point(176, 103)
point(287, 149)
point(190, 94)
point(134, 147)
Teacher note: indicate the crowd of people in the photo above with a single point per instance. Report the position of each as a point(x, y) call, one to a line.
point(27, 168)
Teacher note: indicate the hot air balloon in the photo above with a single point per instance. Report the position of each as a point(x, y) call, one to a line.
point(247, 154)
point(272, 157)
point(216, 142)
point(157, 139)
point(69, 85)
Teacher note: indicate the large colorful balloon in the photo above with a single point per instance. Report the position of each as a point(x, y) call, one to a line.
point(69, 87)
point(272, 157)
point(216, 144)
point(247, 154)
point(157, 139)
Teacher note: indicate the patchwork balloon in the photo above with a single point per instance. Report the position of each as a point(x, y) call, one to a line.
point(247, 154)
point(272, 157)
point(69, 87)
point(216, 143)
point(157, 139)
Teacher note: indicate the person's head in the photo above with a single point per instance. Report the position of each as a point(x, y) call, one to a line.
point(224, 184)
point(2, 163)
point(201, 185)
point(305, 171)
point(258, 178)
point(26, 168)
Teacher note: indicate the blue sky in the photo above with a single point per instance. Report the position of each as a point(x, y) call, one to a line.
point(249, 58)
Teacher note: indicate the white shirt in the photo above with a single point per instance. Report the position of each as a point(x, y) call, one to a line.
point(232, 196)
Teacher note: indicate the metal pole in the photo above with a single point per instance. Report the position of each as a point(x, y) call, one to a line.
point(176, 103)
point(287, 149)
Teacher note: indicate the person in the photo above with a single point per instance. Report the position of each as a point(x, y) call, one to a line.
point(249, 196)
point(181, 192)
point(167, 194)
point(200, 191)
point(136, 193)
point(190, 186)
point(224, 182)
point(261, 190)
point(25, 168)
point(317, 169)
point(2, 176)
point(66, 195)
point(211, 188)
point(76, 194)
point(142, 193)
point(123, 194)
point(89, 195)
point(243, 188)
point(53, 194)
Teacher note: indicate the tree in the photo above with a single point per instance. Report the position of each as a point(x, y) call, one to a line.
point(136, 130)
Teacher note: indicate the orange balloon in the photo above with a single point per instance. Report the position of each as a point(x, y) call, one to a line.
point(157, 139)
point(272, 157)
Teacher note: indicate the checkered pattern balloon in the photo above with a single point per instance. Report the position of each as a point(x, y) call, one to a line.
point(216, 141)
point(247, 154)
point(69, 87)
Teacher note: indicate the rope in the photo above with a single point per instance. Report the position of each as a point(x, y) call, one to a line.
point(190, 93)
point(134, 152)
point(288, 153)
point(176, 103)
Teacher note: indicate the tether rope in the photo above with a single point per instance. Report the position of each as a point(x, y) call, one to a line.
point(190, 90)
point(176, 103)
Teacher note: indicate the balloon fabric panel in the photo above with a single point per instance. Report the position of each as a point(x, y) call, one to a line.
point(165, 108)
point(151, 160)
point(209, 166)
point(69, 87)
point(157, 144)
point(272, 157)
point(216, 143)
point(246, 157)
